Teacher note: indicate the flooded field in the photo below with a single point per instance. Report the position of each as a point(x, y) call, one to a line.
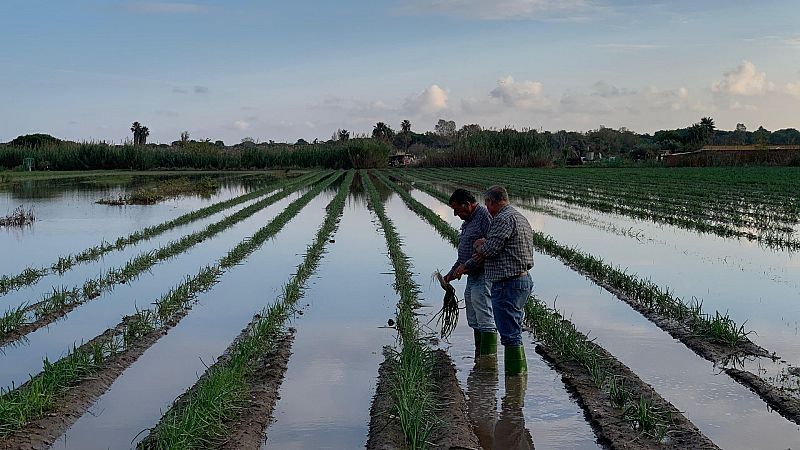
point(294, 310)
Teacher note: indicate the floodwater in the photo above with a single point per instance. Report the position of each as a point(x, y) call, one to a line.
point(331, 378)
point(542, 406)
point(138, 398)
point(727, 412)
point(68, 220)
point(106, 311)
point(332, 374)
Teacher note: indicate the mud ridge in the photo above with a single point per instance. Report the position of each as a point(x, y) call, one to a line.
point(785, 404)
point(608, 422)
point(75, 402)
point(455, 431)
point(249, 430)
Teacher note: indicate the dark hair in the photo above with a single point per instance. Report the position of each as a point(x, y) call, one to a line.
point(496, 194)
point(461, 196)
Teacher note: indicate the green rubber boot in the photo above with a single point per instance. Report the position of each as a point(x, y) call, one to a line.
point(488, 343)
point(515, 360)
point(477, 335)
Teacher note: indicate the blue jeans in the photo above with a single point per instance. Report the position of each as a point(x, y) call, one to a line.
point(477, 296)
point(508, 304)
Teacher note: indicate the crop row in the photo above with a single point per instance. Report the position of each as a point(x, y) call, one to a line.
point(643, 413)
point(37, 397)
point(716, 329)
point(642, 409)
point(27, 318)
point(693, 216)
point(200, 417)
point(31, 275)
point(412, 384)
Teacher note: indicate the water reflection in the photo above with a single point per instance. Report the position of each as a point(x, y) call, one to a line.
point(506, 430)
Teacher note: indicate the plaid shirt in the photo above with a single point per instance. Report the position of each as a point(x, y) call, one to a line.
point(509, 245)
point(474, 228)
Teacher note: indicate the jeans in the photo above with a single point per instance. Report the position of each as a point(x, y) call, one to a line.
point(508, 303)
point(479, 303)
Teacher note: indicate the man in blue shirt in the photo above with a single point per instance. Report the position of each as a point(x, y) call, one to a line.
point(477, 293)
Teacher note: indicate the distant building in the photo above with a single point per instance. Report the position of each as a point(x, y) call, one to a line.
point(401, 159)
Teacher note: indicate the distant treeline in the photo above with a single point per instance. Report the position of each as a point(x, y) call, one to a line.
point(63, 155)
point(448, 146)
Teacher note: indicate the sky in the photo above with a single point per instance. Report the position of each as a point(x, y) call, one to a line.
point(279, 70)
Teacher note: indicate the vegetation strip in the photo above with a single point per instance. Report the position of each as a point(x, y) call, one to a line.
point(88, 363)
point(201, 417)
point(17, 322)
point(690, 215)
point(31, 275)
point(715, 337)
point(622, 407)
point(412, 383)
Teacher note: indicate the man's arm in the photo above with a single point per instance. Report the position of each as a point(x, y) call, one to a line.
point(499, 232)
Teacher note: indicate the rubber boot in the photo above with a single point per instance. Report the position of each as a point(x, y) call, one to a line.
point(488, 343)
point(515, 360)
point(477, 335)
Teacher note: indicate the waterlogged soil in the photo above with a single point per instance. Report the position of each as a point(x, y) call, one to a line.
point(546, 413)
point(610, 422)
point(69, 220)
point(42, 433)
point(728, 413)
point(454, 431)
point(18, 361)
point(326, 395)
point(264, 388)
point(173, 364)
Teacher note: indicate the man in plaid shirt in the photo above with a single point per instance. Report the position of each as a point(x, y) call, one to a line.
point(507, 252)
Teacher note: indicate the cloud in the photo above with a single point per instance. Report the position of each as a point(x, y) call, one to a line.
point(519, 94)
point(605, 90)
point(429, 101)
point(738, 106)
point(793, 42)
point(745, 80)
point(165, 8)
point(793, 89)
point(241, 125)
point(200, 90)
point(179, 90)
point(504, 9)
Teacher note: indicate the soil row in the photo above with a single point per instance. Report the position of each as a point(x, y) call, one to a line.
point(454, 431)
point(75, 402)
point(610, 423)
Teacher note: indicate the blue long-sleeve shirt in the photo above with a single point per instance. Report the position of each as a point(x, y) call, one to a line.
point(474, 228)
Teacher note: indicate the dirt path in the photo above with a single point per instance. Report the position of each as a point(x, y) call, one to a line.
point(454, 433)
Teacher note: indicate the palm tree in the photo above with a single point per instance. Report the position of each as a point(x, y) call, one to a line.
point(707, 123)
point(143, 135)
point(406, 127)
point(344, 135)
point(137, 129)
point(382, 131)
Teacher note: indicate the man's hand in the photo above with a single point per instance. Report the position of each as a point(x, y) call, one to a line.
point(478, 244)
point(448, 278)
point(478, 258)
point(460, 271)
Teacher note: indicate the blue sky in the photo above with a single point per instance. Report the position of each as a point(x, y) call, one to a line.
point(284, 70)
